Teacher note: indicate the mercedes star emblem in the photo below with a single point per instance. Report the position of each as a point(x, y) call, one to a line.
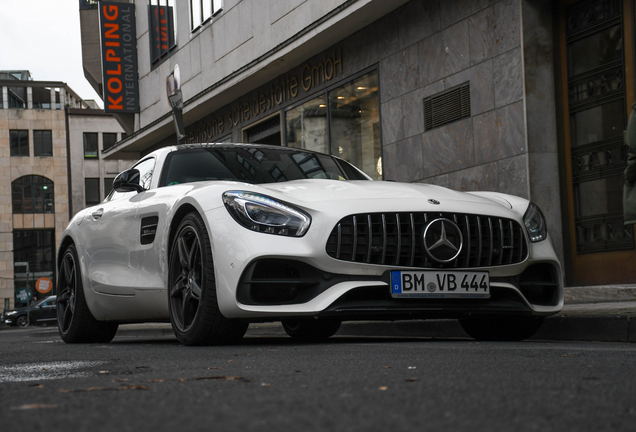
point(443, 240)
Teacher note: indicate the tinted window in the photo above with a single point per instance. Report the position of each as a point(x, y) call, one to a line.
point(252, 165)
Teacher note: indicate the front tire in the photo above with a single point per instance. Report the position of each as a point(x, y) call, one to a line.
point(75, 321)
point(192, 299)
point(505, 328)
point(312, 329)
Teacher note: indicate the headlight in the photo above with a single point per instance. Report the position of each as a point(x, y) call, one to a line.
point(535, 223)
point(264, 214)
point(9, 314)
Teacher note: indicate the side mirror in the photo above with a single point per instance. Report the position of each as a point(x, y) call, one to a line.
point(128, 181)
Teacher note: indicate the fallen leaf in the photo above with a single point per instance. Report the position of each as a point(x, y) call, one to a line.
point(33, 406)
point(213, 367)
point(103, 372)
point(411, 379)
point(230, 361)
point(411, 367)
point(387, 367)
point(383, 388)
point(155, 380)
point(221, 377)
point(183, 379)
point(265, 385)
point(129, 387)
point(36, 385)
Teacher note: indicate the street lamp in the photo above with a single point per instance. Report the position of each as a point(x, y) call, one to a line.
point(26, 264)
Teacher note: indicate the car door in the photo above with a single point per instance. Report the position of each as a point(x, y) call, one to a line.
point(112, 232)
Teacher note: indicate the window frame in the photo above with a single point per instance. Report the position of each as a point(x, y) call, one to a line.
point(109, 134)
point(49, 144)
point(27, 183)
point(93, 181)
point(90, 155)
point(20, 145)
point(158, 58)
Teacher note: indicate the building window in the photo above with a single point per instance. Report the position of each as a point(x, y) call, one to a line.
point(91, 191)
point(17, 97)
point(32, 194)
point(1, 97)
point(41, 98)
point(203, 10)
point(108, 185)
point(344, 121)
point(90, 145)
point(162, 29)
point(42, 143)
point(108, 140)
point(36, 247)
point(19, 142)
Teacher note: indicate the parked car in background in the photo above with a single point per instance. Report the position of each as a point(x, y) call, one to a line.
point(213, 237)
point(41, 312)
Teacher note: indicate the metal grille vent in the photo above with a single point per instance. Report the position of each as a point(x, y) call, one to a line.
point(148, 229)
point(447, 107)
point(396, 239)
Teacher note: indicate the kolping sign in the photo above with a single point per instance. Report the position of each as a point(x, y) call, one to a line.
point(119, 57)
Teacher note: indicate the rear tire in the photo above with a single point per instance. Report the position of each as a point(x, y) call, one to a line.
point(192, 299)
point(311, 329)
point(22, 321)
point(75, 321)
point(505, 328)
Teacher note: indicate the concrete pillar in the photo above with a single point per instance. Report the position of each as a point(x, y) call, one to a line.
point(30, 98)
point(63, 97)
point(53, 98)
point(5, 97)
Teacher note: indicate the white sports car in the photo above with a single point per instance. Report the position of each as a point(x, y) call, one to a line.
point(215, 236)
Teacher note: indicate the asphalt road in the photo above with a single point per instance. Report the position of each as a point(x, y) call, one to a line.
point(347, 384)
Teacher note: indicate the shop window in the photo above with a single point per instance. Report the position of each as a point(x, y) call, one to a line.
point(90, 145)
point(162, 29)
point(345, 121)
point(17, 97)
point(41, 98)
point(42, 143)
point(307, 125)
point(19, 142)
point(108, 140)
point(35, 247)
point(32, 194)
point(91, 191)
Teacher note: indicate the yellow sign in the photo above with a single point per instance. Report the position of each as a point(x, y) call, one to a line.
point(43, 285)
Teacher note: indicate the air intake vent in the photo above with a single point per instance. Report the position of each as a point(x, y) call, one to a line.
point(447, 107)
point(148, 229)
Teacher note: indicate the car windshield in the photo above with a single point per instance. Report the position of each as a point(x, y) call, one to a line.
point(252, 165)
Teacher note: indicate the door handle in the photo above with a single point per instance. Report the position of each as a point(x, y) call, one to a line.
point(98, 213)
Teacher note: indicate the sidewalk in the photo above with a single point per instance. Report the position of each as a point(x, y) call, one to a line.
point(604, 313)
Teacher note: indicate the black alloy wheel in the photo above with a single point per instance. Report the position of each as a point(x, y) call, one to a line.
point(192, 300)
point(75, 321)
point(22, 321)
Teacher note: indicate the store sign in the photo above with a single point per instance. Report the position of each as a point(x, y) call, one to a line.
point(44, 285)
point(284, 90)
point(22, 295)
point(119, 57)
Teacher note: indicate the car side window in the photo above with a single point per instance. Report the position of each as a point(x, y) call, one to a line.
point(146, 168)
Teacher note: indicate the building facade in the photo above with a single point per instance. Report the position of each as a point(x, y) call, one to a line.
point(528, 97)
point(42, 151)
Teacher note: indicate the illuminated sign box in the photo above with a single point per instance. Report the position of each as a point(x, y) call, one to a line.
point(119, 57)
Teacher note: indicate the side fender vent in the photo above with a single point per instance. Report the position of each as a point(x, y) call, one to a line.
point(148, 229)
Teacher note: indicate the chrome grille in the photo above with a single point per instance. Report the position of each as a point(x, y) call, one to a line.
point(395, 239)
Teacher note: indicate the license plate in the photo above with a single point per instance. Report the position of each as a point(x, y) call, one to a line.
point(440, 284)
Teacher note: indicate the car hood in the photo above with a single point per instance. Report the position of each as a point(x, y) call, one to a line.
point(333, 190)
